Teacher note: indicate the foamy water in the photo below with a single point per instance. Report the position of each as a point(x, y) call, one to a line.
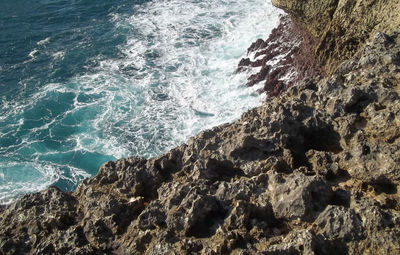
point(173, 77)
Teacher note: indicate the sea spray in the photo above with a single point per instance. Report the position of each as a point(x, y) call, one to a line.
point(135, 81)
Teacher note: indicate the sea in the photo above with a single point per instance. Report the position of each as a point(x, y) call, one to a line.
point(84, 82)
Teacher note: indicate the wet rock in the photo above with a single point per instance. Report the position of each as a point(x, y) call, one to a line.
point(281, 57)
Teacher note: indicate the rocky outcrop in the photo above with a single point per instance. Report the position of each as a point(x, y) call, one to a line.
point(314, 39)
point(313, 171)
point(341, 27)
point(282, 60)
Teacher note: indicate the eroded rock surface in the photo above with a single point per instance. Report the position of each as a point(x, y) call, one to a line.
point(313, 171)
point(284, 59)
point(341, 27)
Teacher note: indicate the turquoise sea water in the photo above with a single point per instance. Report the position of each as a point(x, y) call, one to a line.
point(83, 82)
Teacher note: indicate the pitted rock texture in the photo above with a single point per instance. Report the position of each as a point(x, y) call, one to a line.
point(341, 27)
point(282, 60)
point(314, 171)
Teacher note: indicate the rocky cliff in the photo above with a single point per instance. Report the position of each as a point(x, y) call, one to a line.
point(314, 170)
point(341, 27)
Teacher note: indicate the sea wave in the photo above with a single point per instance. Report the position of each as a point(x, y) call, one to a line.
point(173, 76)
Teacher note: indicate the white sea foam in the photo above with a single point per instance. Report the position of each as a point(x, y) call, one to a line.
point(58, 54)
point(36, 177)
point(176, 78)
point(33, 53)
point(44, 41)
point(196, 48)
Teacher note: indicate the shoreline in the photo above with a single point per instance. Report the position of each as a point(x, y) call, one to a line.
point(137, 104)
point(313, 170)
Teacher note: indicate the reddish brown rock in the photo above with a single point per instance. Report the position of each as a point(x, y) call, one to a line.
point(285, 58)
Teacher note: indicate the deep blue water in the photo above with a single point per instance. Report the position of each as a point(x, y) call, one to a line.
point(83, 82)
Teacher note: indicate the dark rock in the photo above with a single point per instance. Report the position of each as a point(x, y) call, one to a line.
point(298, 196)
point(339, 223)
point(152, 217)
point(284, 58)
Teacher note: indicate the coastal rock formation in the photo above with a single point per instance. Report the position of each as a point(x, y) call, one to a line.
point(314, 170)
point(282, 60)
point(341, 27)
point(315, 38)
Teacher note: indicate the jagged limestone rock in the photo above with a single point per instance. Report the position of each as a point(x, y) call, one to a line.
point(313, 171)
point(341, 27)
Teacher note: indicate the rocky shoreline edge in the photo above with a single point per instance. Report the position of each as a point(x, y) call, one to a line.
point(314, 170)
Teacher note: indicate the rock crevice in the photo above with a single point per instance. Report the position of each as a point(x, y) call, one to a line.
point(314, 170)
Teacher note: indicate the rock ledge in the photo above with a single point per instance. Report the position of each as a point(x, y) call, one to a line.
point(313, 171)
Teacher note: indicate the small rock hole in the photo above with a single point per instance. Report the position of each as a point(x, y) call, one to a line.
point(207, 225)
point(387, 188)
